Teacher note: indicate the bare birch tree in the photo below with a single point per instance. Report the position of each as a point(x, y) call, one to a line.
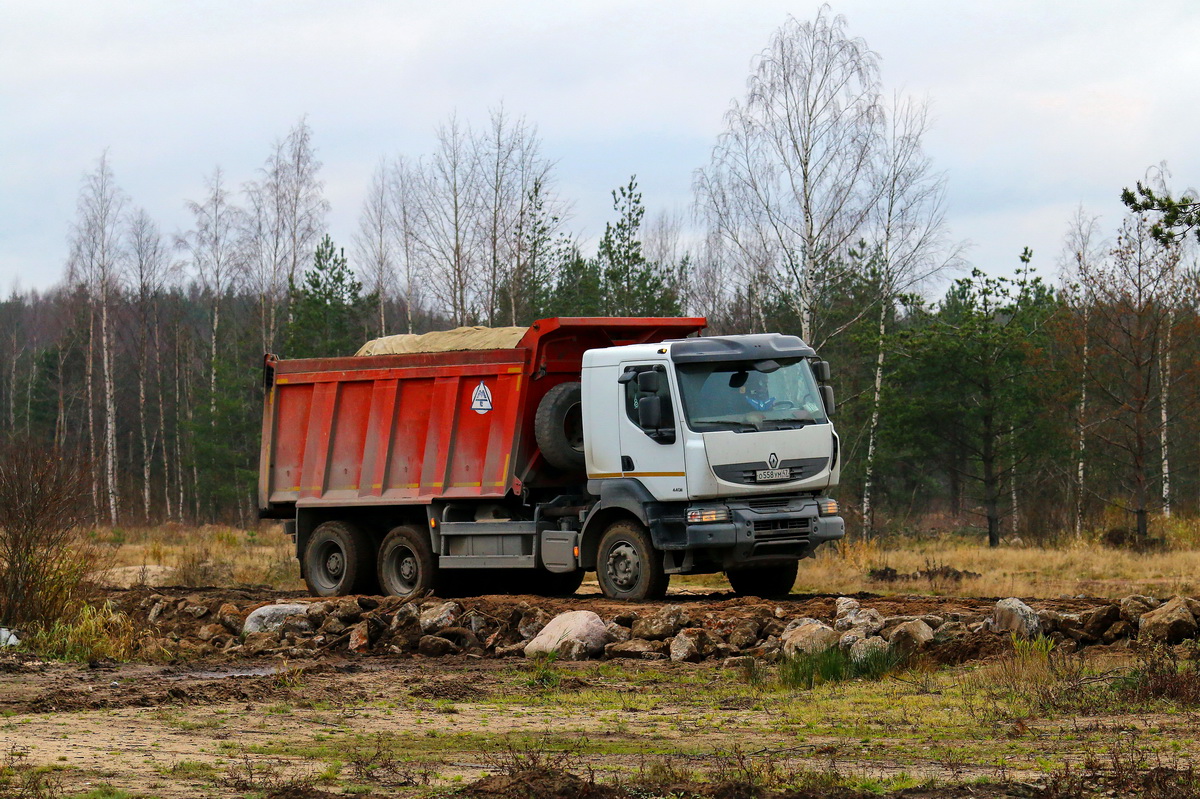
point(96, 264)
point(907, 230)
point(447, 226)
point(213, 245)
point(374, 243)
point(789, 184)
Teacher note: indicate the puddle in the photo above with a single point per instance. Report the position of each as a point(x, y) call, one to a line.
point(220, 674)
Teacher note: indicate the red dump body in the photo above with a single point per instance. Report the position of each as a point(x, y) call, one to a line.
point(402, 429)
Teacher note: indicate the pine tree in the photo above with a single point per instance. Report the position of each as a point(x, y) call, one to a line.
point(633, 286)
point(327, 307)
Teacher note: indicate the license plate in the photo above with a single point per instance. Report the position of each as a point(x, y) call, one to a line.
point(766, 475)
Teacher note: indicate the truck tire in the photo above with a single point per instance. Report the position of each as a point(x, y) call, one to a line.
point(406, 563)
point(558, 427)
point(627, 565)
point(768, 582)
point(338, 560)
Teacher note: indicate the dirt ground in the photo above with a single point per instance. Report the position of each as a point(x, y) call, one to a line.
point(407, 725)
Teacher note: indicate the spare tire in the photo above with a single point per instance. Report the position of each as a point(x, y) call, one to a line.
point(558, 427)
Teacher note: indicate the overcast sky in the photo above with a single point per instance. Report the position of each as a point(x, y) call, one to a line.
point(1038, 107)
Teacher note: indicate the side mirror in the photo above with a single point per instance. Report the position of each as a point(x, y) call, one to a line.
point(648, 382)
point(821, 371)
point(649, 411)
point(827, 398)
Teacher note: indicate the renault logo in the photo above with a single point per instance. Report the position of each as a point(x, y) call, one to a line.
point(773, 461)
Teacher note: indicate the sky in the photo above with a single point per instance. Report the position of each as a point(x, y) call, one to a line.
point(1038, 108)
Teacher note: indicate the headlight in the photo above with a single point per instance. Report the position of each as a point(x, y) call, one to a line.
point(701, 515)
point(827, 506)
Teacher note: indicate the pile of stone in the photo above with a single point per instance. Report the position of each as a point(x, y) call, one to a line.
point(435, 628)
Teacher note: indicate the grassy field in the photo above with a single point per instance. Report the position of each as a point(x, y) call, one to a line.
point(217, 555)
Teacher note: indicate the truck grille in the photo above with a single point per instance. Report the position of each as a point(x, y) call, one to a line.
point(746, 472)
point(776, 529)
point(767, 503)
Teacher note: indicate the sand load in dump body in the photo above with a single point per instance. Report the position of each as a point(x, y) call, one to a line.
point(412, 428)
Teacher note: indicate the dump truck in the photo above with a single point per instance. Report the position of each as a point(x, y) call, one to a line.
point(523, 458)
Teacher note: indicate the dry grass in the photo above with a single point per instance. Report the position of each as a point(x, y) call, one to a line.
point(225, 556)
point(211, 555)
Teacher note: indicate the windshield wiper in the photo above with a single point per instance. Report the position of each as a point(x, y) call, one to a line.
point(785, 424)
point(737, 427)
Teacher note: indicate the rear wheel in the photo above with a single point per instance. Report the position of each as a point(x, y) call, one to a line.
point(768, 582)
point(338, 560)
point(406, 563)
point(627, 565)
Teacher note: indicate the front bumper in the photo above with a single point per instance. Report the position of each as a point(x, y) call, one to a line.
point(765, 530)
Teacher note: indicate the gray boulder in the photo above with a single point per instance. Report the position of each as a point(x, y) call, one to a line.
point(866, 647)
point(575, 635)
point(1014, 616)
point(809, 639)
point(1134, 606)
point(270, 618)
point(663, 624)
point(911, 637)
point(437, 615)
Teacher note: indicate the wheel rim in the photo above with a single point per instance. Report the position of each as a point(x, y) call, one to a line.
point(573, 427)
point(330, 565)
point(623, 566)
point(404, 569)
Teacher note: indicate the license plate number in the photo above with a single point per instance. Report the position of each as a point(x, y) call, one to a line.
point(766, 475)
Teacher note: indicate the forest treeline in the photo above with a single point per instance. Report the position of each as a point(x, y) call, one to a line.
point(1008, 402)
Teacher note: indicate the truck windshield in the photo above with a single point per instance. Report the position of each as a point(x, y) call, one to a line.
point(733, 395)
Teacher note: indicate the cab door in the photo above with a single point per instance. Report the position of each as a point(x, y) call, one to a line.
point(649, 430)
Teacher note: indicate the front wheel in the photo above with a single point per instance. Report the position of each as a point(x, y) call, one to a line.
point(406, 563)
point(337, 560)
point(627, 565)
point(768, 582)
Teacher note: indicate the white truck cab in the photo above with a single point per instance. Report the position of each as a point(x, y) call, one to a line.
point(726, 445)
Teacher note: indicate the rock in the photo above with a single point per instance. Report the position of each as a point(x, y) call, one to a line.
point(209, 632)
point(332, 626)
point(851, 637)
point(195, 611)
point(1097, 620)
point(1168, 624)
point(637, 649)
point(532, 622)
point(367, 603)
point(259, 643)
point(507, 650)
point(433, 646)
point(8, 637)
point(933, 621)
point(743, 635)
point(406, 616)
point(867, 647)
point(583, 627)
point(475, 621)
point(156, 611)
point(297, 625)
point(845, 606)
point(809, 639)
point(911, 637)
point(1120, 630)
point(269, 618)
point(740, 662)
point(317, 611)
point(771, 626)
point(230, 617)
point(1134, 606)
point(663, 624)
point(436, 615)
point(617, 633)
point(949, 631)
point(626, 618)
point(347, 610)
point(795, 624)
point(869, 619)
point(1014, 616)
point(691, 645)
point(360, 638)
